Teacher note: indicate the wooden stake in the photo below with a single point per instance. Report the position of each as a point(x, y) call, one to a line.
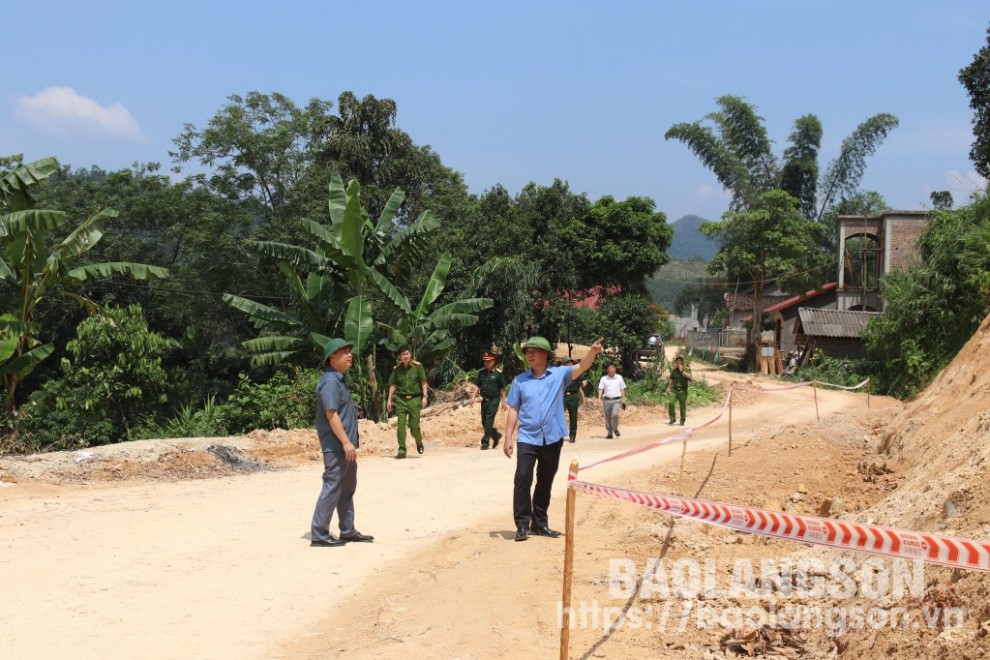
point(730, 422)
point(816, 400)
point(680, 476)
point(565, 621)
point(868, 384)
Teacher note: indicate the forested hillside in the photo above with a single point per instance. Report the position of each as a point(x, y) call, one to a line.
point(689, 244)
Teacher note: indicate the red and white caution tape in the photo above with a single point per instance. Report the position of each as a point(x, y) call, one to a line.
point(840, 534)
point(683, 435)
point(760, 390)
point(843, 387)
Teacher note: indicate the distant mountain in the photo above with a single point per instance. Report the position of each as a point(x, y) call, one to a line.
point(689, 243)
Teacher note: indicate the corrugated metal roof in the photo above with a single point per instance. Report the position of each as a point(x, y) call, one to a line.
point(834, 322)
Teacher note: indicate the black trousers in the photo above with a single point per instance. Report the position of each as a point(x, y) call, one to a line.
point(532, 510)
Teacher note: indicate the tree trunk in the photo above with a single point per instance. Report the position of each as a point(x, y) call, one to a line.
point(756, 336)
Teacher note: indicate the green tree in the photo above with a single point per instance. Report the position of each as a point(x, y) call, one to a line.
point(770, 240)
point(934, 307)
point(259, 148)
point(36, 270)
point(620, 245)
point(363, 142)
point(941, 200)
point(626, 321)
point(737, 149)
point(111, 378)
point(427, 333)
point(976, 79)
point(352, 262)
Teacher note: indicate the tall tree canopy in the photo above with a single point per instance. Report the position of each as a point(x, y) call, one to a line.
point(976, 79)
point(769, 240)
point(737, 149)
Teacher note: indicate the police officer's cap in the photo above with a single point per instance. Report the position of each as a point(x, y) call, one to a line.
point(487, 356)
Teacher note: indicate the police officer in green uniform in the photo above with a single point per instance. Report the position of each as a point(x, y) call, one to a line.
point(572, 398)
point(680, 376)
point(490, 385)
point(407, 386)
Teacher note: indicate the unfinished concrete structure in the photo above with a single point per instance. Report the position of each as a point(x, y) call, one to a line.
point(871, 246)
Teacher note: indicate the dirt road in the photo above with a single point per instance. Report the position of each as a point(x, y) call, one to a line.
point(222, 568)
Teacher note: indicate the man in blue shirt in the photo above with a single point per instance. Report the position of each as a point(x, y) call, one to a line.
point(337, 428)
point(536, 414)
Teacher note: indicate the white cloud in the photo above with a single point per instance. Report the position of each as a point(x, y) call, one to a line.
point(63, 112)
point(963, 185)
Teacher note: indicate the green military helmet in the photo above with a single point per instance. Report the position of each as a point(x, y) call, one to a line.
point(537, 342)
point(333, 346)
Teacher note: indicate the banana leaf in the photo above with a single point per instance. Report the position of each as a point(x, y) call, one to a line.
point(351, 236)
point(32, 220)
point(390, 291)
point(261, 315)
point(297, 256)
point(388, 213)
point(358, 323)
point(24, 364)
point(435, 286)
point(137, 271)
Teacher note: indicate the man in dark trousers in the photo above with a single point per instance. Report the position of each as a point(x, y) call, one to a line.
point(407, 387)
point(677, 389)
point(572, 399)
point(336, 426)
point(536, 414)
point(490, 385)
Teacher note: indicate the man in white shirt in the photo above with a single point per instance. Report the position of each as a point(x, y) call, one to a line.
point(612, 394)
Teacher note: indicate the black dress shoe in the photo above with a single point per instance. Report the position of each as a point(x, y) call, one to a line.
point(618, 435)
point(495, 442)
point(357, 537)
point(419, 449)
point(327, 543)
point(521, 533)
point(484, 447)
point(544, 531)
point(608, 437)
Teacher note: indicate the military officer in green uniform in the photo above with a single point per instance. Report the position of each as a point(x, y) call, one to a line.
point(407, 396)
point(680, 376)
point(490, 385)
point(572, 398)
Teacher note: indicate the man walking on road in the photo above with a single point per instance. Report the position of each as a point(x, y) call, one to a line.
point(490, 384)
point(537, 417)
point(680, 376)
point(612, 394)
point(336, 426)
point(408, 384)
point(572, 398)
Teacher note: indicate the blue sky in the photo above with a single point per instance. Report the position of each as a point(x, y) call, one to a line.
point(510, 92)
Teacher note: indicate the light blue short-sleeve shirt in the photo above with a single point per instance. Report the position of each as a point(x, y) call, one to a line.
point(540, 402)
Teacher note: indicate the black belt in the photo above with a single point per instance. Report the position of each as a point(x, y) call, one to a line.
point(489, 398)
point(611, 398)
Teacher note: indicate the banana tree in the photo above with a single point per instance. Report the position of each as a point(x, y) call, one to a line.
point(427, 333)
point(35, 270)
point(352, 262)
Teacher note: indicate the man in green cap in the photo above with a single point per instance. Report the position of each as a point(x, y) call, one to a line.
point(535, 424)
point(490, 385)
point(407, 391)
point(572, 398)
point(336, 426)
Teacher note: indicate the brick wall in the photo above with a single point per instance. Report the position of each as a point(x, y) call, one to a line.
point(902, 237)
